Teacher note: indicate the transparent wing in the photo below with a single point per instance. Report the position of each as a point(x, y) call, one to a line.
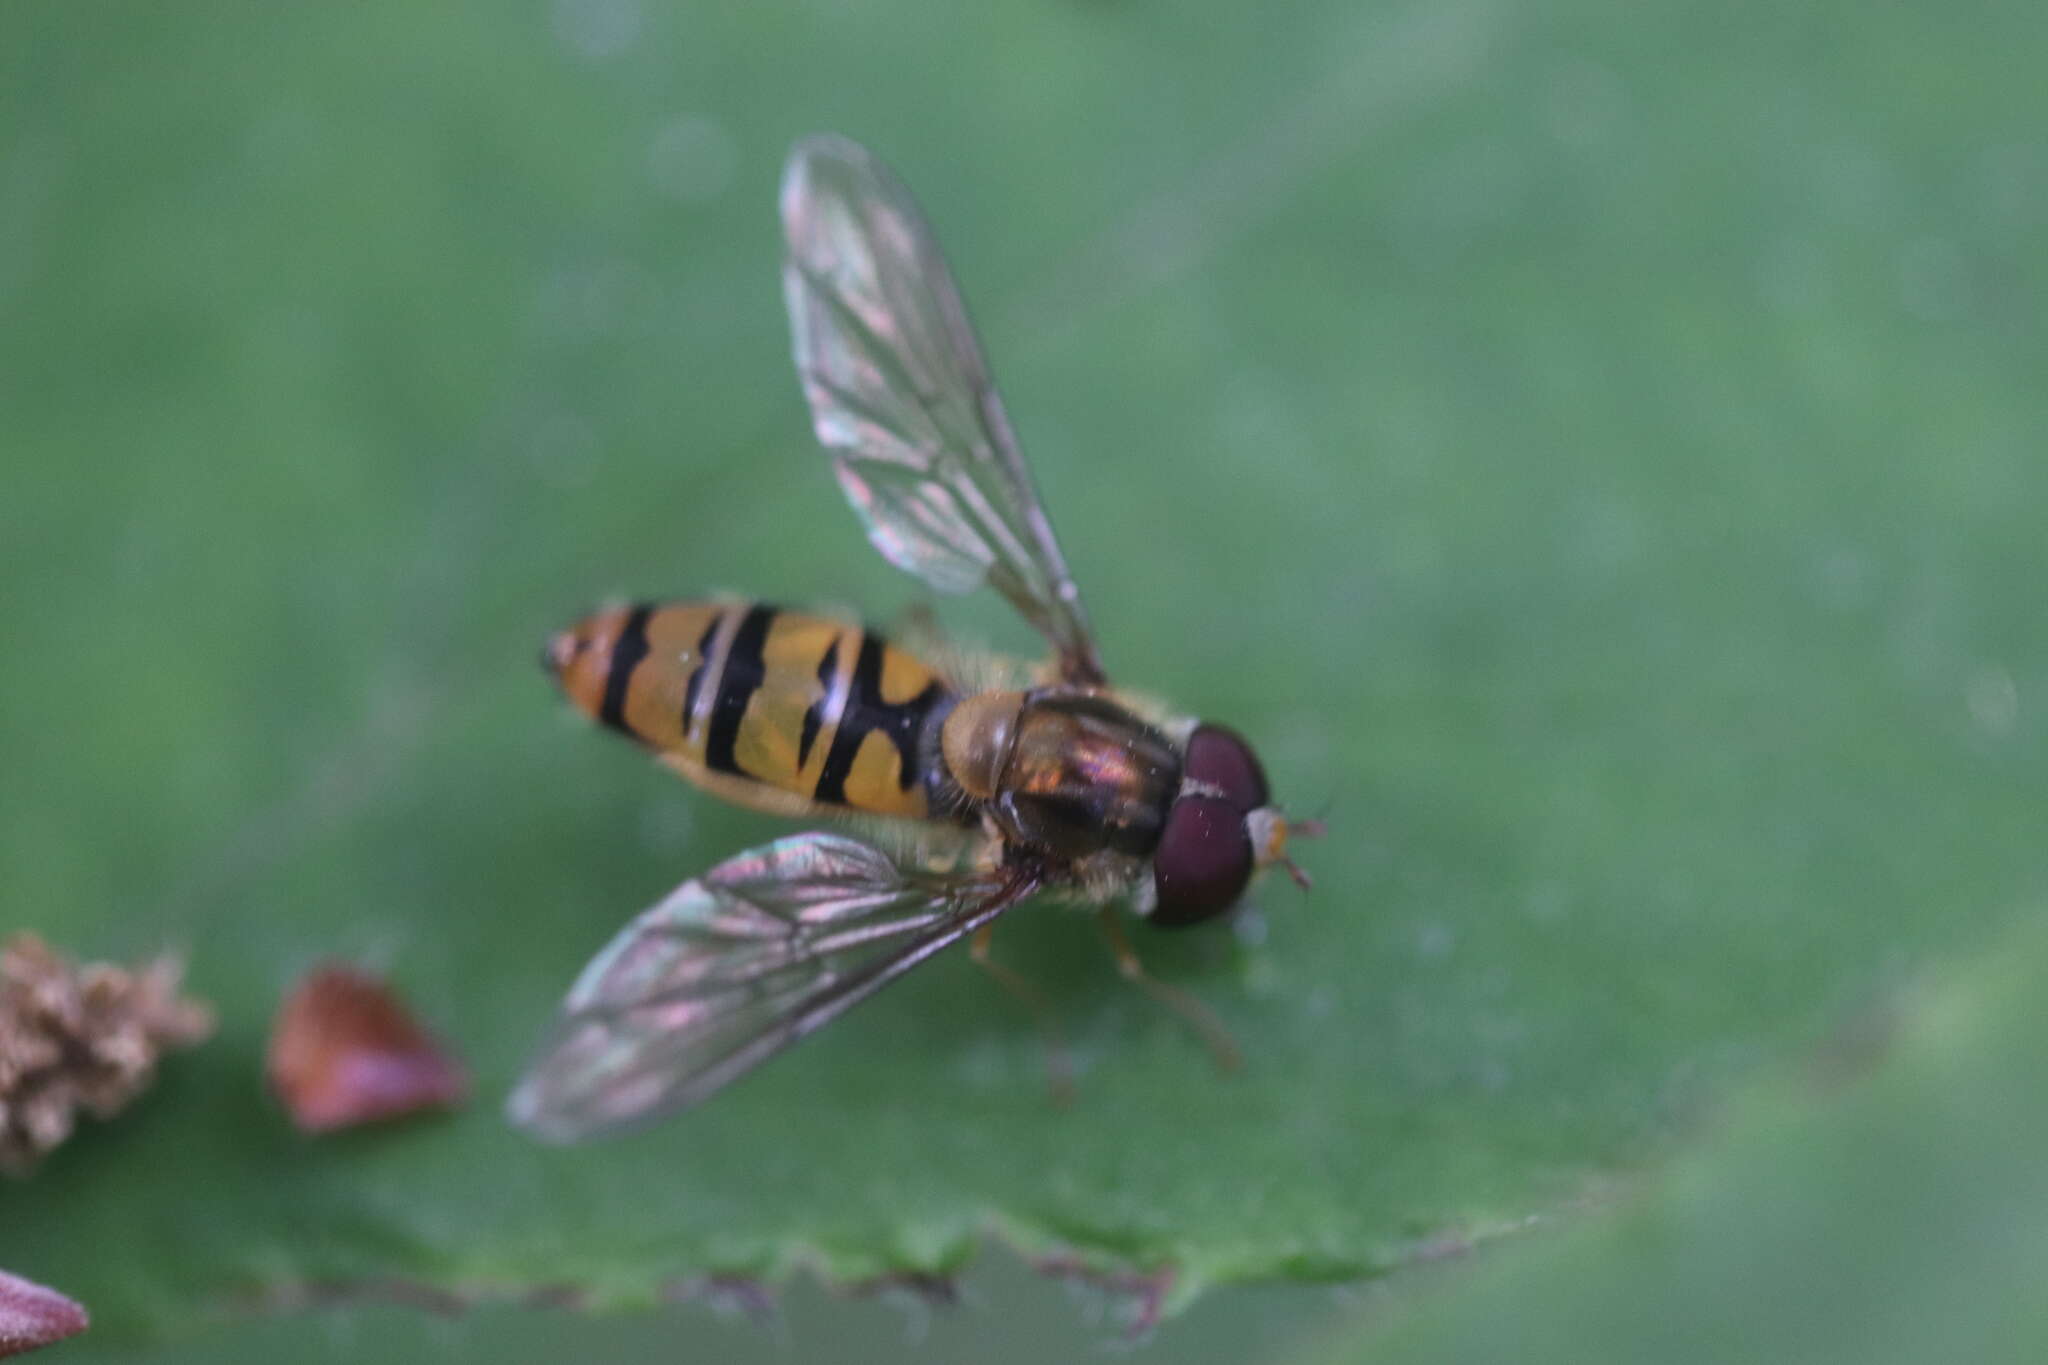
point(733, 967)
point(902, 399)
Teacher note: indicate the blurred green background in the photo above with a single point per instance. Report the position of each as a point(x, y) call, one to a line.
point(1596, 452)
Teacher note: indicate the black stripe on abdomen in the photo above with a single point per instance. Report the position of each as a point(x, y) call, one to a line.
point(814, 714)
point(737, 683)
point(696, 682)
point(902, 723)
point(627, 652)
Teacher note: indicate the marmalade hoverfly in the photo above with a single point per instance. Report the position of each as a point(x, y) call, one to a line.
point(1020, 782)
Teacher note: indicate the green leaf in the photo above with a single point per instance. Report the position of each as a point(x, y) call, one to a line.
point(1596, 456)
point(1886, 1203)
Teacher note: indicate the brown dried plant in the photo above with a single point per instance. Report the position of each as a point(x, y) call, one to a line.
point(78, 1038)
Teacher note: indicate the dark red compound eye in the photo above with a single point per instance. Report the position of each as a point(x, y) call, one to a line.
point(1220, 758)
point(1203, 861)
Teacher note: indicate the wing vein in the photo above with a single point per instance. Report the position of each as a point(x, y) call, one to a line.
point(734, 966)
point(901, 396)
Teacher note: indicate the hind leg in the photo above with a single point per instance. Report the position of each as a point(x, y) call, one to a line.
point(1199, 1016)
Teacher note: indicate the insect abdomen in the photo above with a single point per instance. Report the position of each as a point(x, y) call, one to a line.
point(742, 694)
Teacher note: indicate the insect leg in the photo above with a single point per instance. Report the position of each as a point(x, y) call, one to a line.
point(1198, 1015)
point(1059, 1069)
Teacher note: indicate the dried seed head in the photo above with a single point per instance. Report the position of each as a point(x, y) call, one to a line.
point(76, 1038)
point(32, 1316)
point(345, 1051)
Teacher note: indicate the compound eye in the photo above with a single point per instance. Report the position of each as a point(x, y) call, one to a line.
point(1218, 757)
point(1203, 861)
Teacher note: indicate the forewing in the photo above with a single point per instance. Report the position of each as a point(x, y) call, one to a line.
point(734, 966)
point(902, 399)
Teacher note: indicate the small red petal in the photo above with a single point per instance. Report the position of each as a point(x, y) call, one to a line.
point(32, 1316)
point(345, 1051)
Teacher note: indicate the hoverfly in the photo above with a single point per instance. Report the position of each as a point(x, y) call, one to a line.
point(1055, 782)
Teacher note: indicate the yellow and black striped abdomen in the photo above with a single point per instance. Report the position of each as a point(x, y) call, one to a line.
point(769, 708)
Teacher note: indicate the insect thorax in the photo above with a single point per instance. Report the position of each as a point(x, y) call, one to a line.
point(1066, 773)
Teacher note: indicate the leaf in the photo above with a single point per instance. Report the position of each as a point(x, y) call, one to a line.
point(1597, 456)
point(1895, 1213)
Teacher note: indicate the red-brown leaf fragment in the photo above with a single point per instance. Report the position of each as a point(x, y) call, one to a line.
point(32, 1316)
point(345, 1051)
